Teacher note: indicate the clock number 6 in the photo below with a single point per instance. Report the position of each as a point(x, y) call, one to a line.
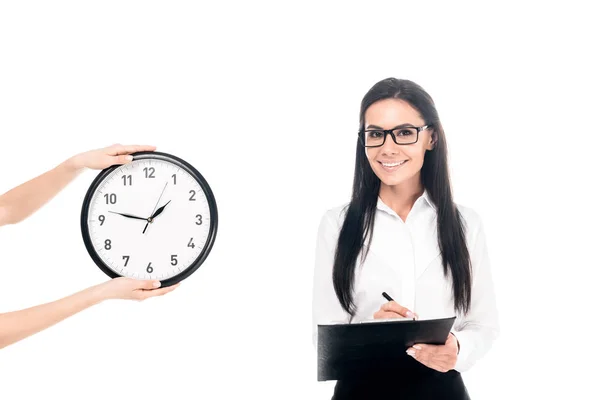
point(149, 269)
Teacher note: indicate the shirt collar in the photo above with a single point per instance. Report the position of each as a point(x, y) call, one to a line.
point(424, 198)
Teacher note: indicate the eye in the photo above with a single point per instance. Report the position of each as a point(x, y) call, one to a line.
point(405, 132)
point(374, 134)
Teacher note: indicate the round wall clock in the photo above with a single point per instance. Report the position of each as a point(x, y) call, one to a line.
point(153, 218)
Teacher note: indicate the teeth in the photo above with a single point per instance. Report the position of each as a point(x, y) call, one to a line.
point(389, 165)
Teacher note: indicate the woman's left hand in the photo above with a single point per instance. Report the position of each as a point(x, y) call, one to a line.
point(442, 358)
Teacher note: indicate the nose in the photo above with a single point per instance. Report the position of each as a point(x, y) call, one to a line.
point(389, 146)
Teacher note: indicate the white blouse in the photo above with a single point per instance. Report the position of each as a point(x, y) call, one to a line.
point(405, 261)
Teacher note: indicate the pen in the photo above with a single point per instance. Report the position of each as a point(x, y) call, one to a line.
point(389, 298)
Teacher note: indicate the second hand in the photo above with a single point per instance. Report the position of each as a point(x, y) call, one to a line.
point(161, 193)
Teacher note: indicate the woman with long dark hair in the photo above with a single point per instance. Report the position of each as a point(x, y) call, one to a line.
point(403, 234)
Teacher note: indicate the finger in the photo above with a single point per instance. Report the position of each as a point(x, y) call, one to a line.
point(128, 149)
point(123, 159)
point(149, 284)
point(386, 315)
point(398, 309)
point(422, 353)
point(159, 292)
point(431, 356)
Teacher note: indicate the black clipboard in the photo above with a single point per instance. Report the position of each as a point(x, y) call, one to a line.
point(352, 351)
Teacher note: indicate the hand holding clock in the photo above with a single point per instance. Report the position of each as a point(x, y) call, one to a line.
point(107, 156)
point(22, 201)
point(131, 289)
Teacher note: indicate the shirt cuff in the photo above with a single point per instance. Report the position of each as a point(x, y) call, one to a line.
point(467, 346)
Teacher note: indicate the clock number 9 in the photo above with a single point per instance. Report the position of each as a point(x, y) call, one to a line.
point(101, 218)
point(149, 269)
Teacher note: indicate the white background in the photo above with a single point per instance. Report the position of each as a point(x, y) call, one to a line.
point(263, 99)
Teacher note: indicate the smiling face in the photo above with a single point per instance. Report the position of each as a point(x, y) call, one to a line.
point(392, 163)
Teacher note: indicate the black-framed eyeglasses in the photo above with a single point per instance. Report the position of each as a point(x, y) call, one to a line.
point(402, 135)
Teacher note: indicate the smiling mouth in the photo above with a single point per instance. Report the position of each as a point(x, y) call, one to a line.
point(392, 166)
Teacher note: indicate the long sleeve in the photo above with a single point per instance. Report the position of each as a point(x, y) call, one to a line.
point(325, 307)
point(478, 329)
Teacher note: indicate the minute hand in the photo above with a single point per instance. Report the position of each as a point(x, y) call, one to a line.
point(129, 216)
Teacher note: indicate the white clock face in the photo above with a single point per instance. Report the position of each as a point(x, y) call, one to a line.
point(124, 234)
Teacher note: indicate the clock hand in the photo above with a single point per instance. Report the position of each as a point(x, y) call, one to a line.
point(129, 216)
point(150, 218)
point(156, 214)
point(159, 211)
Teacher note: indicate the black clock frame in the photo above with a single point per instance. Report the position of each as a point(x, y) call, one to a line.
point(153, 155)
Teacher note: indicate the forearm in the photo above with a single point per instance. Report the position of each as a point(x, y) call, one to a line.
point(18, 325)
point(25, 199)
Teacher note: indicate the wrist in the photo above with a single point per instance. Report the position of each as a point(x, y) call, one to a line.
point(457, 343)
point(74, 164)
point(97, 294)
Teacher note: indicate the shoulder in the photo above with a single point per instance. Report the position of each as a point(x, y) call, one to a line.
point(471, 218)
point(468, 214)
point(333, 218)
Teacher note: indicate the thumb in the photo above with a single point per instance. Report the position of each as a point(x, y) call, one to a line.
point(122, 159)
point(149, 284)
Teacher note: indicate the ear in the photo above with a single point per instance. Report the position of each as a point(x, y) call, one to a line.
point(432, 140)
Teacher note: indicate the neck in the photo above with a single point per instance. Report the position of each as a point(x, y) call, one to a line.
point(401, 198)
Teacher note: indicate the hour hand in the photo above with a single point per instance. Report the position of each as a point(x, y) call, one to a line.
point(160, 210)
point(129, 216)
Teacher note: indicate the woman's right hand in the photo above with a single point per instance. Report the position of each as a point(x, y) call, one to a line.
point(132, 289)
point(391, 309)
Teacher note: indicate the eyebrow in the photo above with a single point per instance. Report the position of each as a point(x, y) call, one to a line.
point(371, 126)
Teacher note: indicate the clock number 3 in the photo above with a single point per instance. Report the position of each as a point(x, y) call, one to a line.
point(199, 222)
point(149, 268)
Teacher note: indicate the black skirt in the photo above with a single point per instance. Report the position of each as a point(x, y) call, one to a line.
point(420, 383)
